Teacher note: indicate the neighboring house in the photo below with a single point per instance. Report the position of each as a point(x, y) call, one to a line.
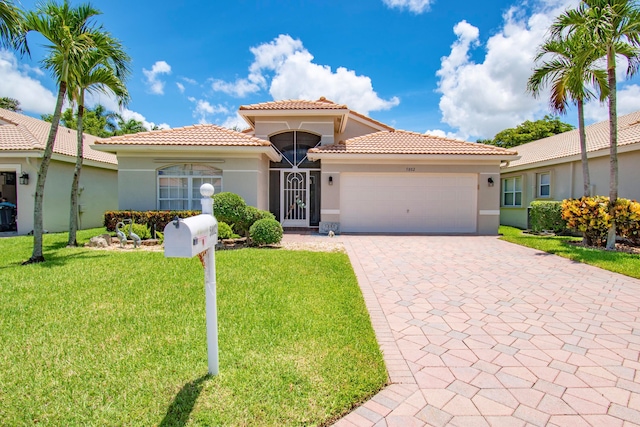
point(550, 168)
point(22, 143)
point(317, 164)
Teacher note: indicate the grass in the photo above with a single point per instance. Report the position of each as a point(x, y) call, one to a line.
point(618, 262)
point(118, 338)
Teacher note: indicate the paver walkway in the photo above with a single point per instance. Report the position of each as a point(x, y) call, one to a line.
point(480, 332)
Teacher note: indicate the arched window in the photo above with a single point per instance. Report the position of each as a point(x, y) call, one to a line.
point(179, 185)
point(294, 146)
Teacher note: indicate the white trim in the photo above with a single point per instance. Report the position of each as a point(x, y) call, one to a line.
point(352, 157)
point(489, 212)
point(329, 211)
point(240, 170)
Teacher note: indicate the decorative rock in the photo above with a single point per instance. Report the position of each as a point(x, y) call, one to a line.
point(98, 242)
point(150, 242)
point(107, 237)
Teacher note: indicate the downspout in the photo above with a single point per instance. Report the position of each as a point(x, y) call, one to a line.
point(573, 166)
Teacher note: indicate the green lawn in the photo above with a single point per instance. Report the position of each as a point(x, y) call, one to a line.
point(118, 338)
point(619, 262)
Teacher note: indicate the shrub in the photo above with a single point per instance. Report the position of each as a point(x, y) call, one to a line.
point(547, 216)
point(141, 230)
point(228, 207)
point(266, 231)
point(157, 219)
point(627, 219)
point(249, 217)
point(224, 231)
point(588, 215)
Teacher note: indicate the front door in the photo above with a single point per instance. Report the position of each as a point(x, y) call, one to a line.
point(295, 198)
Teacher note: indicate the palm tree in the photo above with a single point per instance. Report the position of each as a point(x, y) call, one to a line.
point(103, 69)
point(11, 29)
point(615, 28)
point(130, 126)
point(70, 34)
point(10, 104)
point(567, 70)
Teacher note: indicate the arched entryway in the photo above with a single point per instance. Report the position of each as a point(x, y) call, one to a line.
point(294, 182)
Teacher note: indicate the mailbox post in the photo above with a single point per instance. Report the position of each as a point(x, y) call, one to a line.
point(188, 237)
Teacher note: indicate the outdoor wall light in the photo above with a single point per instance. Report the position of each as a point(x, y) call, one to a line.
point(330, 180)
point(24, 178)
point(490, 181)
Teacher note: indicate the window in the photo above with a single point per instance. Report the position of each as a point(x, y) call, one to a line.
point(512, 191)
point(294, 146)
point(179, 186)
point(544, 185)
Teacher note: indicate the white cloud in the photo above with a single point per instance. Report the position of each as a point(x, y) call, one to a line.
point(628, 101)
point(296, 76)
point(156, 86)
point(443, 134)
point(203, 109)
point(480, 99)
point(415, 6)
point(18, 84)
point(180, 87)
point(234, 122)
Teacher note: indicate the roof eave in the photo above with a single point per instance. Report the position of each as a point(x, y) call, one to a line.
point(425, 157)
point(117, 149)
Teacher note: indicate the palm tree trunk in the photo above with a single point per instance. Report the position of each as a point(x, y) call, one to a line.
point(73, 212)
point(38, 227)
point(586, 179)
point(613, 155)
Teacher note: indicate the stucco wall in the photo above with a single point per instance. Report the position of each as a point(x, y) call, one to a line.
point(567, 182)
point(99, 194)
point(488, 197)
point(137, 178)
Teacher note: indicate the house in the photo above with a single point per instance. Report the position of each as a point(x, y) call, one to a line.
point(550, 168)
point(22, 143)
point(317, 164)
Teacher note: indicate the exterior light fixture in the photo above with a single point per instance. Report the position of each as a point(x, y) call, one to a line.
point(490, 181)
point(24, 178)
point(330, 180)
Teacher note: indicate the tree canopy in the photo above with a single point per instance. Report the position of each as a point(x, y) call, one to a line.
point(99, 122)
point(528, 131)
point(10, 104)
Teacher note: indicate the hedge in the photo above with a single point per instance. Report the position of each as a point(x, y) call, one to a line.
point(149, 218)
point(547, 215)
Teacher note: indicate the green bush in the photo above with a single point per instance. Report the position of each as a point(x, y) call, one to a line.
point(141, 230)
point(228, 207)
point(224, 231)
point(547, 216)
point(249, 217)
point(266, 231)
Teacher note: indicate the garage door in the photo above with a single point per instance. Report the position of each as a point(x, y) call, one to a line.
point(425, 203)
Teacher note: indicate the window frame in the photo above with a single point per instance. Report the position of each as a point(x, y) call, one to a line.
point(539, 185)
point(513, 192)
point(186, 173)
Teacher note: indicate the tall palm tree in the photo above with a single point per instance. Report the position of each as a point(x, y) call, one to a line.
point(70, 31)
point(11, 29)
point(615, 28)
point(103, 69)
point(568, 70)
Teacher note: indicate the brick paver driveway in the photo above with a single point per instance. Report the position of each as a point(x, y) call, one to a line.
point(476, 332)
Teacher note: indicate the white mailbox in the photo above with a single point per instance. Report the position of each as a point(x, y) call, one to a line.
point(186, 238)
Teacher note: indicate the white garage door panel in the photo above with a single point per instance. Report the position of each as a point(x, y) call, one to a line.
point(425, 203)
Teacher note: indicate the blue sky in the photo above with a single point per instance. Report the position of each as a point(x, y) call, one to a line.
point(455, 68)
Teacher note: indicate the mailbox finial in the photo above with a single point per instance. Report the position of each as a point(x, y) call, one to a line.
point(176, 221)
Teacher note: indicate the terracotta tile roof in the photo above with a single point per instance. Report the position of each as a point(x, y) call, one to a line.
point(196, 135)
point(404, 142)
point(369, 119)
point(568, 144)
point(24, 133)
point(296, 104)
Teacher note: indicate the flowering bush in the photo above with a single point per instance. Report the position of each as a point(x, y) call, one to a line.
point(627, 218)
point(590, 216)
